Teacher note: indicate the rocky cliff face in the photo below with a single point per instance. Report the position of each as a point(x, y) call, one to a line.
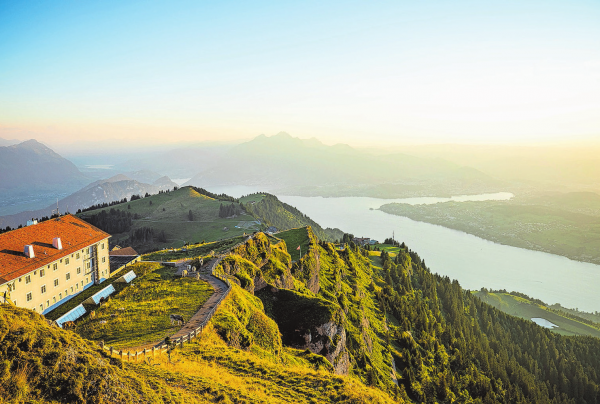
point(309, 322)
point(329, 340)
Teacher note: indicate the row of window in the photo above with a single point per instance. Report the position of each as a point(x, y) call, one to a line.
point(55, 267)
point(74, 289)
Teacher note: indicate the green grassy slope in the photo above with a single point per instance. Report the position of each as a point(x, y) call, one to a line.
point(139, 314)
point(523, 308)
point(169, 212)
point(273, 212)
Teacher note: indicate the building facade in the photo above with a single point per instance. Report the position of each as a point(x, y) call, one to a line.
point(45, 264)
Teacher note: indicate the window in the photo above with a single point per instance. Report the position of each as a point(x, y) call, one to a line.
point(87, 280)
point(28, 279)
point(61, 260)
point(43, 288)
point(60, 296)
point(78, 270)
point(41, 307)
point(81, 283)
point(66, 261)
point(42, 272)
point(55, 266)
point(103, 260)
point(76, 286)
point(66, 293)
point(77, 256)
point(88, 265)
point(47, 303)
point(102, 246)
point(68, 275)
point(55, 282)
point(54, 299)
point(29, 296)
point(71, 289)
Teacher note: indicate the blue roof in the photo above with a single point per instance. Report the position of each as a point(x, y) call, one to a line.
point(71, 315)
point(129, 276)
point(103, 293)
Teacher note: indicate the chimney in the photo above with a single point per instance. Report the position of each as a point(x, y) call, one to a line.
point(56, 243)
point(28, 251)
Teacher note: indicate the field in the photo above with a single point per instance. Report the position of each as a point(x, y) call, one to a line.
point(523, 308)
point(169, 212)
point(139, 314)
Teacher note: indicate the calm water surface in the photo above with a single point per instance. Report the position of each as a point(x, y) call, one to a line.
point(474, 262)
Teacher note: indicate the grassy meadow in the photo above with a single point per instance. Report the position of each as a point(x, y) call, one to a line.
point(294, 238)
point(169, 212)
point(139, 314)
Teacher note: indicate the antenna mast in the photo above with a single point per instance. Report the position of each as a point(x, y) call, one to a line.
point(56, 210)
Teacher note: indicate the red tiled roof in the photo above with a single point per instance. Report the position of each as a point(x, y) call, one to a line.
point(74, 233)
point(128, 251)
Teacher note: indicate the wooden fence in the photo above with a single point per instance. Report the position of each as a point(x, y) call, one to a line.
point(159, 348)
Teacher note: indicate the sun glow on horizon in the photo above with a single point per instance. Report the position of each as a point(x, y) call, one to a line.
point(445, 72)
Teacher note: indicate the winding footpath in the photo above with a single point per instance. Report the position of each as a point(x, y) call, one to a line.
point(194, 327)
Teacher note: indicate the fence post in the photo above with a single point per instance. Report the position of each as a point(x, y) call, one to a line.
point(121, 354)
point(128, 356)
point(111, 351)
point(153, 352)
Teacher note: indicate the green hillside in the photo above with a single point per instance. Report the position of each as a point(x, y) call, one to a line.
point(370, 312)
point(164, 220)
point(273, 212)
point(336, 325)
point(194, 215)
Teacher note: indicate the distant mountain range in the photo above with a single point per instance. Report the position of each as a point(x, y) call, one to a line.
point(308, 167)
point(103, 191)
point(32, 175)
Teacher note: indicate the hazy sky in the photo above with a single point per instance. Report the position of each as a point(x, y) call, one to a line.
point(357, 72)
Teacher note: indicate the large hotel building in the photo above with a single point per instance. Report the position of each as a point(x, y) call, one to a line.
point(45, 264)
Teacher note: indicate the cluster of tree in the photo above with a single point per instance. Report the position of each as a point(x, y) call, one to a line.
point(219, 197)
point(143, 235)
point(135, 198)
point(230, 210)
point(162, 237)
point(112, 221)
point(102, 205)
point(393, 242)
point(455, 347)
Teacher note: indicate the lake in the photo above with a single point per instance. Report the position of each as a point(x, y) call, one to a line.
point(473, 261)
